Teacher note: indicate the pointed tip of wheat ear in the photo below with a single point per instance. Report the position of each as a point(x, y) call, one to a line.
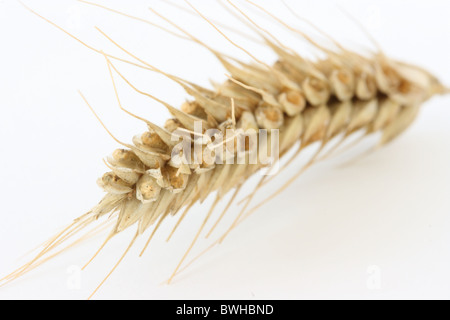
point(444, 90)
point(441, 90)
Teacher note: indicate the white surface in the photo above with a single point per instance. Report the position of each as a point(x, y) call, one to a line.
point(330, 235)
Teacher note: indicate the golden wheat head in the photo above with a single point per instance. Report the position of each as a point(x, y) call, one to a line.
point(298, 101)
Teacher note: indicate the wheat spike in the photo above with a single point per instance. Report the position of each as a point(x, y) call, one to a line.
point(307, 101)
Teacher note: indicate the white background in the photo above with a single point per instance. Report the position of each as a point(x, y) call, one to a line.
point(333, 234)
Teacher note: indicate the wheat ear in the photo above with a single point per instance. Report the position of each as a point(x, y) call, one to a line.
point(306, 101)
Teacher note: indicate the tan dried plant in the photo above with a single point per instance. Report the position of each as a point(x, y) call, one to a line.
point(322, 102)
